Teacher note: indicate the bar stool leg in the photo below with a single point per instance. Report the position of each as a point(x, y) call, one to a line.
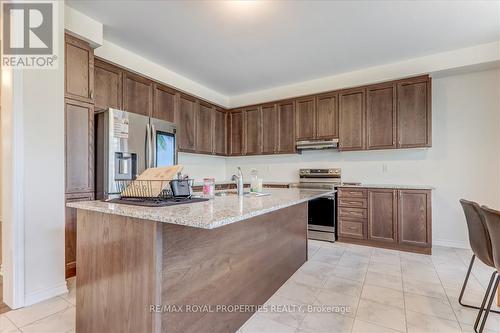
point(489, 305)
point(466, 281)
point(498, 297)
point(464, 286)
point(485, 299)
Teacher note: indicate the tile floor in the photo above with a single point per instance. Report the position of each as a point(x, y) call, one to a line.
point(386, 291)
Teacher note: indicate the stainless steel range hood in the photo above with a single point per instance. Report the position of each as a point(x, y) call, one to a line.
point(317, 144)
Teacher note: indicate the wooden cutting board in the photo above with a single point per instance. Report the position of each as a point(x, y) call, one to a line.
point(152, 182)
point(162, 173)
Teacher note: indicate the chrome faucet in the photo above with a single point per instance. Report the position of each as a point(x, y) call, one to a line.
point(239, 181)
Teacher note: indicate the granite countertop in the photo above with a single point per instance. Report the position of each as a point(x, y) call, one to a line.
point(210, 214)
point(399, 186)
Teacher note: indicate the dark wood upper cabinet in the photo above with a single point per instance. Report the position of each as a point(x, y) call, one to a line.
point(186, 123)
point(381, 116)
point(164, 103)
point(305, 112)
point(327, 116)
point(220, 132)
point(204, 129)
point(108, 86)
point(137, 94)
point(269, 116)
point(352, 119)
point(395, 114)
point(253, 131)
point(286, 127)
point(414, 217)
point(414, 113)
point(236, 142)
point(79, 145)
point(79, 70)
point(382, 215)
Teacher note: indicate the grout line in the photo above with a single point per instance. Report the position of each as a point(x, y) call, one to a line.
point(404, 293)
point(11, 321)
point(319, 289)
point(43, 318)
point(446, 294)
point(361, 293)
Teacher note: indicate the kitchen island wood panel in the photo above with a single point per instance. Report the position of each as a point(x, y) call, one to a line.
point(128, 264)
point(242, 263)
point(118, 272)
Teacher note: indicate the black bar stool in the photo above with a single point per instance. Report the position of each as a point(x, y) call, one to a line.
point(492, 219)
point(480, 243)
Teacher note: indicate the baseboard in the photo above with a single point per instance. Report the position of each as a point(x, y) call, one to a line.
point(45, 294)
point(451, 243)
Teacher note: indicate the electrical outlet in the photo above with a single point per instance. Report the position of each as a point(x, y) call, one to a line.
point(384, 168)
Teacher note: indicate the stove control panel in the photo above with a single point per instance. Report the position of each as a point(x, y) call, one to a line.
point(321, 173)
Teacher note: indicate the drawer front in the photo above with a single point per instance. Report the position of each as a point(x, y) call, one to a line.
point(351, 229)
point(356, 213)
point(79, 197)
point(352, 193)
point(353, 202)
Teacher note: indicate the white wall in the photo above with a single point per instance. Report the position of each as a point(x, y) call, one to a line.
point(202, 166)
point(33, 174)
point(464, 161)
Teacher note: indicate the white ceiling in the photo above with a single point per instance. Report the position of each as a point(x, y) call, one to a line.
point(239, 47)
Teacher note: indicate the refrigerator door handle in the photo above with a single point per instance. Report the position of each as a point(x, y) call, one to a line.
point(148, 146)
point(153, 144)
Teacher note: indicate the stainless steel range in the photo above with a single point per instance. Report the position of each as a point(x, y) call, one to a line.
point(322, 211)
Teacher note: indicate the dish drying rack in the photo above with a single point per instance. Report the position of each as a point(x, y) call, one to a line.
point(150, 193)
point(152, 190)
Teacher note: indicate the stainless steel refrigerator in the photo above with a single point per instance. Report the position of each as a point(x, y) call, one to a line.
point(127, 144)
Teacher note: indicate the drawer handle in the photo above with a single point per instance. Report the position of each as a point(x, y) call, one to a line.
point(352, 228)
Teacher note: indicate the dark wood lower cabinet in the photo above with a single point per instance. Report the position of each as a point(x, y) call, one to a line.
point(414, 217)
point(382, 215)
point(70, 232)
point(392, 218)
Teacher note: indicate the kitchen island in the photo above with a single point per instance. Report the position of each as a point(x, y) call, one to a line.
point(200, 267)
